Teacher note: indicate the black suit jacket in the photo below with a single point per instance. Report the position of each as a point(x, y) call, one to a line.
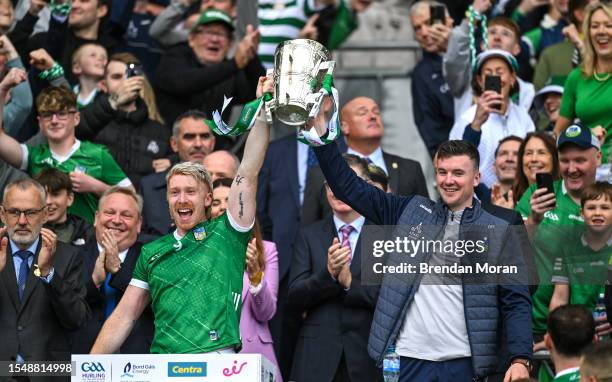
point(38, 327)
point(140, 339)
point(155, 213)
point(337, 321)
point(278, 201)
point(405, 178)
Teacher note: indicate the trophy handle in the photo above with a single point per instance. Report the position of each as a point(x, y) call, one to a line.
point(269, 106)
point(317, 98)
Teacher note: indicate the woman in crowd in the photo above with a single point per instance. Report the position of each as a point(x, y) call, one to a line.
point(260, 284)
point(537, 153)
point(588, 89)
point(494, 116)
point(126, 108)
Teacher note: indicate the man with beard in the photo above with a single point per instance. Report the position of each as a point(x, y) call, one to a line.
point(553, 219)
point(197, 268)
point(191, 140)
point(42, 297)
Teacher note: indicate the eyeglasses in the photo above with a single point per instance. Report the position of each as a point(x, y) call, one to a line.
point(61, 115)
point(211, 33)
point(15, 213)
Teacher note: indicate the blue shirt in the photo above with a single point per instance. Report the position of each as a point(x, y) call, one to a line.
point(17, 260)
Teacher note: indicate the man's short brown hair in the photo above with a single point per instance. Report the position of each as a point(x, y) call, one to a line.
point(55, 98)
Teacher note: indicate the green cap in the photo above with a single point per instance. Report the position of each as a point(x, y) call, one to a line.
point(214, 16)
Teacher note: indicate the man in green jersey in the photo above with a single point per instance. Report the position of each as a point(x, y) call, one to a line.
point(550, 218)
point(91, 167)
point(571, 330)
point(193, 276)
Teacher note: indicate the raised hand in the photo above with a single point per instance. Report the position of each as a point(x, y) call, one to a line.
point(127, 92)
point(337, 258)
point(252, 264)
point(310, 30)
point(541, 202)
point(41, 59)
point(14, 77)
point(498, 199)
point(47, 251)
point(3, 248)
point(112, 262)
point(247, 47)
point(488, 102)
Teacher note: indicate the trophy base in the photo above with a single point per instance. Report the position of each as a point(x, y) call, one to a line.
point(291, 115)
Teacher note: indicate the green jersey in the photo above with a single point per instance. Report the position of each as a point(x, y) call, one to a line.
point(89, 158)
point(558, 227)
point(588, 99)
point(584, 269)
point(568, 375)
point(195, 283)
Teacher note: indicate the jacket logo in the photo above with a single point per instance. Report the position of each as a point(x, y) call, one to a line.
point(153, 147)
point(425, 208)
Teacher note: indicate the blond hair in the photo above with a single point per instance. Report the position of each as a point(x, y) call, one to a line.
point(589, 57)
point(197, 172)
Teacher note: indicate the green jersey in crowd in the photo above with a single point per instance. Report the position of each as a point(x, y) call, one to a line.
point(195, 283)
point(89, 158)
point(568, 375)
point(584, 269)
point(588, 99)
point(557, 229)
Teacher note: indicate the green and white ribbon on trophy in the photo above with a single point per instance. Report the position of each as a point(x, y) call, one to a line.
point(303, 77)
point(311, 137)
point(249, 113)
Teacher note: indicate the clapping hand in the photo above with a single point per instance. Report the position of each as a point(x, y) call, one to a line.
point(112, 262)
point(47, 251)
point(337, 258)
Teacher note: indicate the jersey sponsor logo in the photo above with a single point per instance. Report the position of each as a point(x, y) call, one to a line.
point(186, 369)
point(551, 215)
point(81, 169)
point(575, 217)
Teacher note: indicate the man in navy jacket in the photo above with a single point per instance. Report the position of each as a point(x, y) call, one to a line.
point(443, 332)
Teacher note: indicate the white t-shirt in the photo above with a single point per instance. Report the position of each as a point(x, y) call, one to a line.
point(516, 121)
point(434, 328)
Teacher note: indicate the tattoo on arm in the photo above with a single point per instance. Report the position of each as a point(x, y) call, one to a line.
point(241, 212)
point(239, 179)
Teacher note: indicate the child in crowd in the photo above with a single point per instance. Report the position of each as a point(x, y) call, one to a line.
point(595, 365)
point(70, 229)
point(571, 329)
point(88, 65)
point(581, 269)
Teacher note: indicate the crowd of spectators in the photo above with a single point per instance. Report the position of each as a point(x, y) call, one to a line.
point(99, 100)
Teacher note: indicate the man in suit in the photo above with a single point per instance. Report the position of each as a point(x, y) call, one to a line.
point(362, 126)
point(108, 262)
point(41, 297)
point(192, 140)
point(326, 286)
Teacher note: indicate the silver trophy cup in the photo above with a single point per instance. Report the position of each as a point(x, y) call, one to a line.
point(299, 68)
